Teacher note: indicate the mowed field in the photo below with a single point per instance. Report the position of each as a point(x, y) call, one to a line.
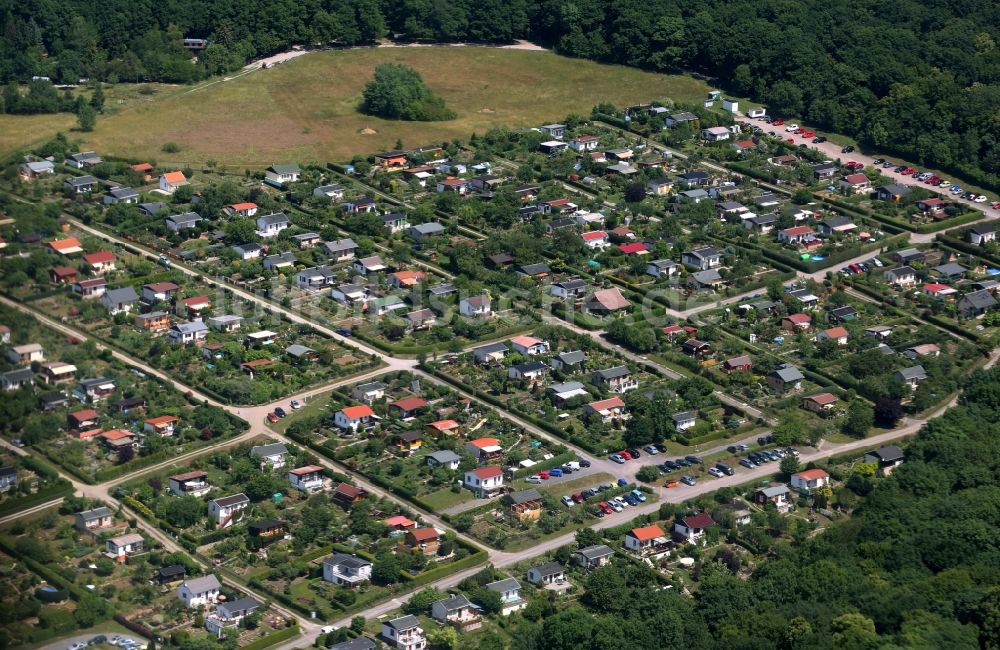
point(305, 109)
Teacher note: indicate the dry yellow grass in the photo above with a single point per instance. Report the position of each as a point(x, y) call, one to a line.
point(305, 109)
point(17, 131)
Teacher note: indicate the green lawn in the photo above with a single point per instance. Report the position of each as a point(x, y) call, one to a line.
point(444, 498)
point(305, 109)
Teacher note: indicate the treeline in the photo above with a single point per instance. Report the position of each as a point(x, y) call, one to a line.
point(917, 78)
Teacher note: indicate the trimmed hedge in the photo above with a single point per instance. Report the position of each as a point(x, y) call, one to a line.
point(272, 639)
point(49, 493)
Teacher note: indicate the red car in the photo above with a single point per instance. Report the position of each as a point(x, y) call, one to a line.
point(853, 165)
point(577, 498)
point(603, 505)
point(778, 122)
point(932, 180)
point(272, 418)
point(624, 454)
point(543, 475)
point(908, 171)
point(800, 131)
point(809, 134)
point(790, 140)
point(996, 206)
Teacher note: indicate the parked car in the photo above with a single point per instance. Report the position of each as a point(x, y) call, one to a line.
point(280, 412)
point(819, 140)
point(887, 164)
point(577, 498)
point(272, 418)
point(791, 128)
point(555, 473)
point(343, 331)
point(694, 460)
point(618, 458)
point(982, 198)
point(534, 478)
point(715, 471)
point(688, 480)
point(634, 453)
point(622, 482)
point(603, 487)
point(672, 483)
point(878, 161)
point(584, 463)
point(746, 462)
point(725, 469)
point(651, 450)
point(778, 122)
point(683, 462)
point(603, 505)
point(629, 499)
point(568, 501)
point(544, 476)
point(626, 454)
point(296, 404)
point(733, 449)
point(847, 149)
point(637, 493)
point(671, 465)
point(614, 505)
point(809, 134)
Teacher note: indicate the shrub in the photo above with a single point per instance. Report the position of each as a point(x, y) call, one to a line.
point(399, 93)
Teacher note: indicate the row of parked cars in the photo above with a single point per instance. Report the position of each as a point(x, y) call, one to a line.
point(758, 458)
point(558, 472)
point(279, 412)
point(125, 642)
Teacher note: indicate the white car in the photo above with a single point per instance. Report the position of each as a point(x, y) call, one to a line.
point(534, 479)
point(717, 473)
point(791, 127)
point(568, 501)
point(617, 507)
point(296, 404)
point(982, 198)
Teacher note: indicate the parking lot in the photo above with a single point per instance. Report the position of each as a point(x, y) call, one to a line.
point(833, 151)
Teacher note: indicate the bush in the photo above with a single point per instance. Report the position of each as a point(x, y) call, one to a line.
point(170, 147)
point(399, 93)
point(648, 474)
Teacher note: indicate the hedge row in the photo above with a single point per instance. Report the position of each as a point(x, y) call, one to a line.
point(430, 348)
point(48, 493)
point(141, 630)
point(965, 247)
point(271, 639)
point(431, 575)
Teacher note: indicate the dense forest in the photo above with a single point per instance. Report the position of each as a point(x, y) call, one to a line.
point(915, 566)
point(916, 78)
